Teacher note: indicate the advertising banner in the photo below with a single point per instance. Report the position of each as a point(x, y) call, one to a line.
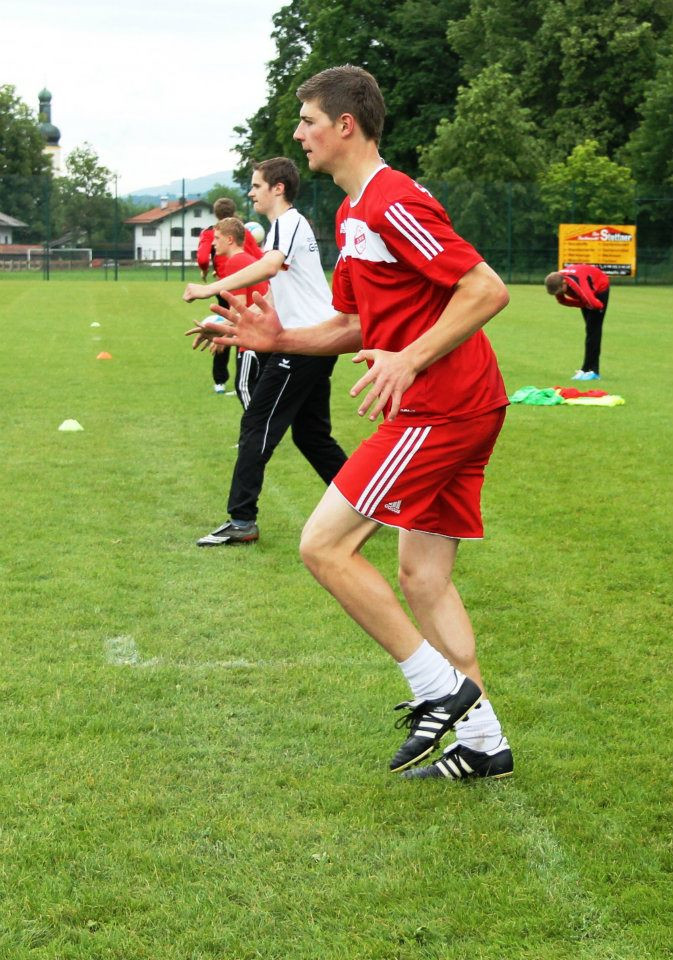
point(610, 247)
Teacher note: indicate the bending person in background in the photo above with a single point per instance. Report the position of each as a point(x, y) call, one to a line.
point(587, 287)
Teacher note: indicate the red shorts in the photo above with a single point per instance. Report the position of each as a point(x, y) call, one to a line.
point(423, 477)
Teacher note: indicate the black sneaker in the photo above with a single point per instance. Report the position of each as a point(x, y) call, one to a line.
point(430, 720)
point(458, 762)
point(230, 535)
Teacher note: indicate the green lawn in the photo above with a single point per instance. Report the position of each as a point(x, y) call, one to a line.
point(196, 742)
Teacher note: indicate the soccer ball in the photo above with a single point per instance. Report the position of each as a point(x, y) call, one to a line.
point(257, 230)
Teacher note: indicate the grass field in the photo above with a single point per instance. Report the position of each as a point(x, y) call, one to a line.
point(196, 742)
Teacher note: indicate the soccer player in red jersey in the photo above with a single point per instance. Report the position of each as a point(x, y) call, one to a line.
point(587, 287)
point(229, 237)
point(411, 298)
point(206, 255)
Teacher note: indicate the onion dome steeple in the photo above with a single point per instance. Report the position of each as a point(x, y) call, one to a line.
point(51, 134)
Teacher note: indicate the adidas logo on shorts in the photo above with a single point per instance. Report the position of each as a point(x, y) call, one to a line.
point(394, 506)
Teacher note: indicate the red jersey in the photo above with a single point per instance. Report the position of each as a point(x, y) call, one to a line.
point(233, 265)
point(399, 262)
point(236, 263)
point(205, 251)
point(584, 282)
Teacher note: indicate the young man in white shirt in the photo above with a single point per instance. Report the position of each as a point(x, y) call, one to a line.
point(293, 390)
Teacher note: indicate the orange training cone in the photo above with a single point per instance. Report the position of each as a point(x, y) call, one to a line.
point(104, 356)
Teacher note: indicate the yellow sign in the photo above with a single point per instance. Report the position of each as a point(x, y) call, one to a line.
point(612, 248)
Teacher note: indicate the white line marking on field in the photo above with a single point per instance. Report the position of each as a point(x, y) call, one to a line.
point(242, 664)
point(123, 652)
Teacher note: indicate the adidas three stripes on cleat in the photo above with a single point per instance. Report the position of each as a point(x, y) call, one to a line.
point(430, 720)
point(459, 762)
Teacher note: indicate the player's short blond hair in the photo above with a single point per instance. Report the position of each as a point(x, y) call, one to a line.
point(554, 282)
point(232, 227)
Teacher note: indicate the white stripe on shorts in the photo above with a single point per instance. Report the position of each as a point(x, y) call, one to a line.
point(391, 469)
point(244, 379)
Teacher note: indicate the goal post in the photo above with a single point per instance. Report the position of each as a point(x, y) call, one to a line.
point(60, 258)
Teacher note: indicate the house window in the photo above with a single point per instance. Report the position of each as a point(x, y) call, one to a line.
point(196, 231)
point(176, 231)
point(176, 255)
point(197, 213)
point(193, 254)
point(149, 231)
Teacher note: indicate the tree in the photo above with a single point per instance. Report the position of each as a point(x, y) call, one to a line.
point(581, 67)
point(490, 157)
point(317, 41)
point(588, 187)
point(650, 148)
point(419, 78)
point(24, 167)
point(491, 138)
point(402, 42)
point(219, 190)
point(83, 203)
point(259, 137)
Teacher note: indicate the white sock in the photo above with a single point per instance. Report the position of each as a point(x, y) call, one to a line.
point(429, 674)
point(481, 729)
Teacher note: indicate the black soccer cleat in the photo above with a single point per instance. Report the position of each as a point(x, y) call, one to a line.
point(230, 535)
point(430, 720)
point(458, 762)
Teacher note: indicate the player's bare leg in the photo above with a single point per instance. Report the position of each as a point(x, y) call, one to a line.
point(330, 544)
point(425, 567)
point(330, 547)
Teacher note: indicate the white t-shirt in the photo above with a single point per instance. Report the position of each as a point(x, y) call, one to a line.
point(301, 294)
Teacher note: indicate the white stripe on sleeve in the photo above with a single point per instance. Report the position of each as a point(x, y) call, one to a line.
point(414, 231)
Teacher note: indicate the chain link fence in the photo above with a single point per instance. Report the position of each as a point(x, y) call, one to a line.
point(47, 233)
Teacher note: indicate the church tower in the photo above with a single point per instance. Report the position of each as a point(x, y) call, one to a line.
point(50, 133)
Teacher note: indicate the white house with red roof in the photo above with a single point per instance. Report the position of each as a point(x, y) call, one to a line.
point(164, 231)
point(7, 226)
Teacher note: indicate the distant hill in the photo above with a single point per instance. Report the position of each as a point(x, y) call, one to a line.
point(193, 188)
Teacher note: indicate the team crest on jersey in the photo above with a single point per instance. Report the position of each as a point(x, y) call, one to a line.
point(363, 243)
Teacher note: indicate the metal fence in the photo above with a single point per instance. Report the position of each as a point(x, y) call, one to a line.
point(507, 222)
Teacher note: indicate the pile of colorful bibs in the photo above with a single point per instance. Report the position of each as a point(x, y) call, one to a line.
point(553, 396)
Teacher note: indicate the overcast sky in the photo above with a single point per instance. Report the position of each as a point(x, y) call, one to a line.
point(155, 87)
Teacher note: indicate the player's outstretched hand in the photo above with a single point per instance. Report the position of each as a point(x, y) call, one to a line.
point(204, 333)
point(390, 375)
point(252, 328)
point(197, 291)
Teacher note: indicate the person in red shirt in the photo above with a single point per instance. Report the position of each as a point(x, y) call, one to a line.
point(411, 298)
point(587, 287)
point(206, 256)
point(229, 240)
